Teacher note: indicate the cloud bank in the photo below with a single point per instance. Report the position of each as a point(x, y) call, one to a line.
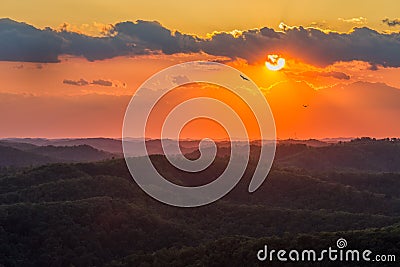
point(23, 42)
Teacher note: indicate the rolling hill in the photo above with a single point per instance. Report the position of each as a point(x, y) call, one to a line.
point(22, 155)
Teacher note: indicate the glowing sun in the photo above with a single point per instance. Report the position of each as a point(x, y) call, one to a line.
point(274, 62)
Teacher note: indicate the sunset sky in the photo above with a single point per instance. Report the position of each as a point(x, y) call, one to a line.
point(69, 69)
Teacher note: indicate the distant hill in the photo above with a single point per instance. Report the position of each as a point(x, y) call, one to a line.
point(153, 145)
point(310, 142)
point(106, 144)
point(79, 153)
point(33, 141)
point(110, 145)
point(360, 154)
point(10, 156)
point(18, 145)
point(21, 154)
point(363, 154)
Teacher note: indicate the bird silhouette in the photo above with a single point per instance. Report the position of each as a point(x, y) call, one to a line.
point(244, 78)
point(306, 106)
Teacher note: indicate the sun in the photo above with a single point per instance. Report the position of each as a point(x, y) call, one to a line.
point(275, 62)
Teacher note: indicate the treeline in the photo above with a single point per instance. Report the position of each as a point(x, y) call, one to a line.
point(242, 251)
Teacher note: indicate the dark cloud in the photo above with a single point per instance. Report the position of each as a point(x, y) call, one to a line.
point(335, 74)
point(311, 45)
point(391, 23)
point(152, 36)
point(22, 42)
point(102, 82)
point(314, 74)
point(80, 82)
point(373, 67)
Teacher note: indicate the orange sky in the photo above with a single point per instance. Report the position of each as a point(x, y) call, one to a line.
point(36, 102)
point(81, 98)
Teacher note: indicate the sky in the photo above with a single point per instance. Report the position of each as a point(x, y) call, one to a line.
point(70, 69)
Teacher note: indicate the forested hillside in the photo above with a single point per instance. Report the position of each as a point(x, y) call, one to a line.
point(93, 214)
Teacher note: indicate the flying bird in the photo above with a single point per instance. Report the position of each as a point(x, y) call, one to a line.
point(306, 106)
point(244, 78)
